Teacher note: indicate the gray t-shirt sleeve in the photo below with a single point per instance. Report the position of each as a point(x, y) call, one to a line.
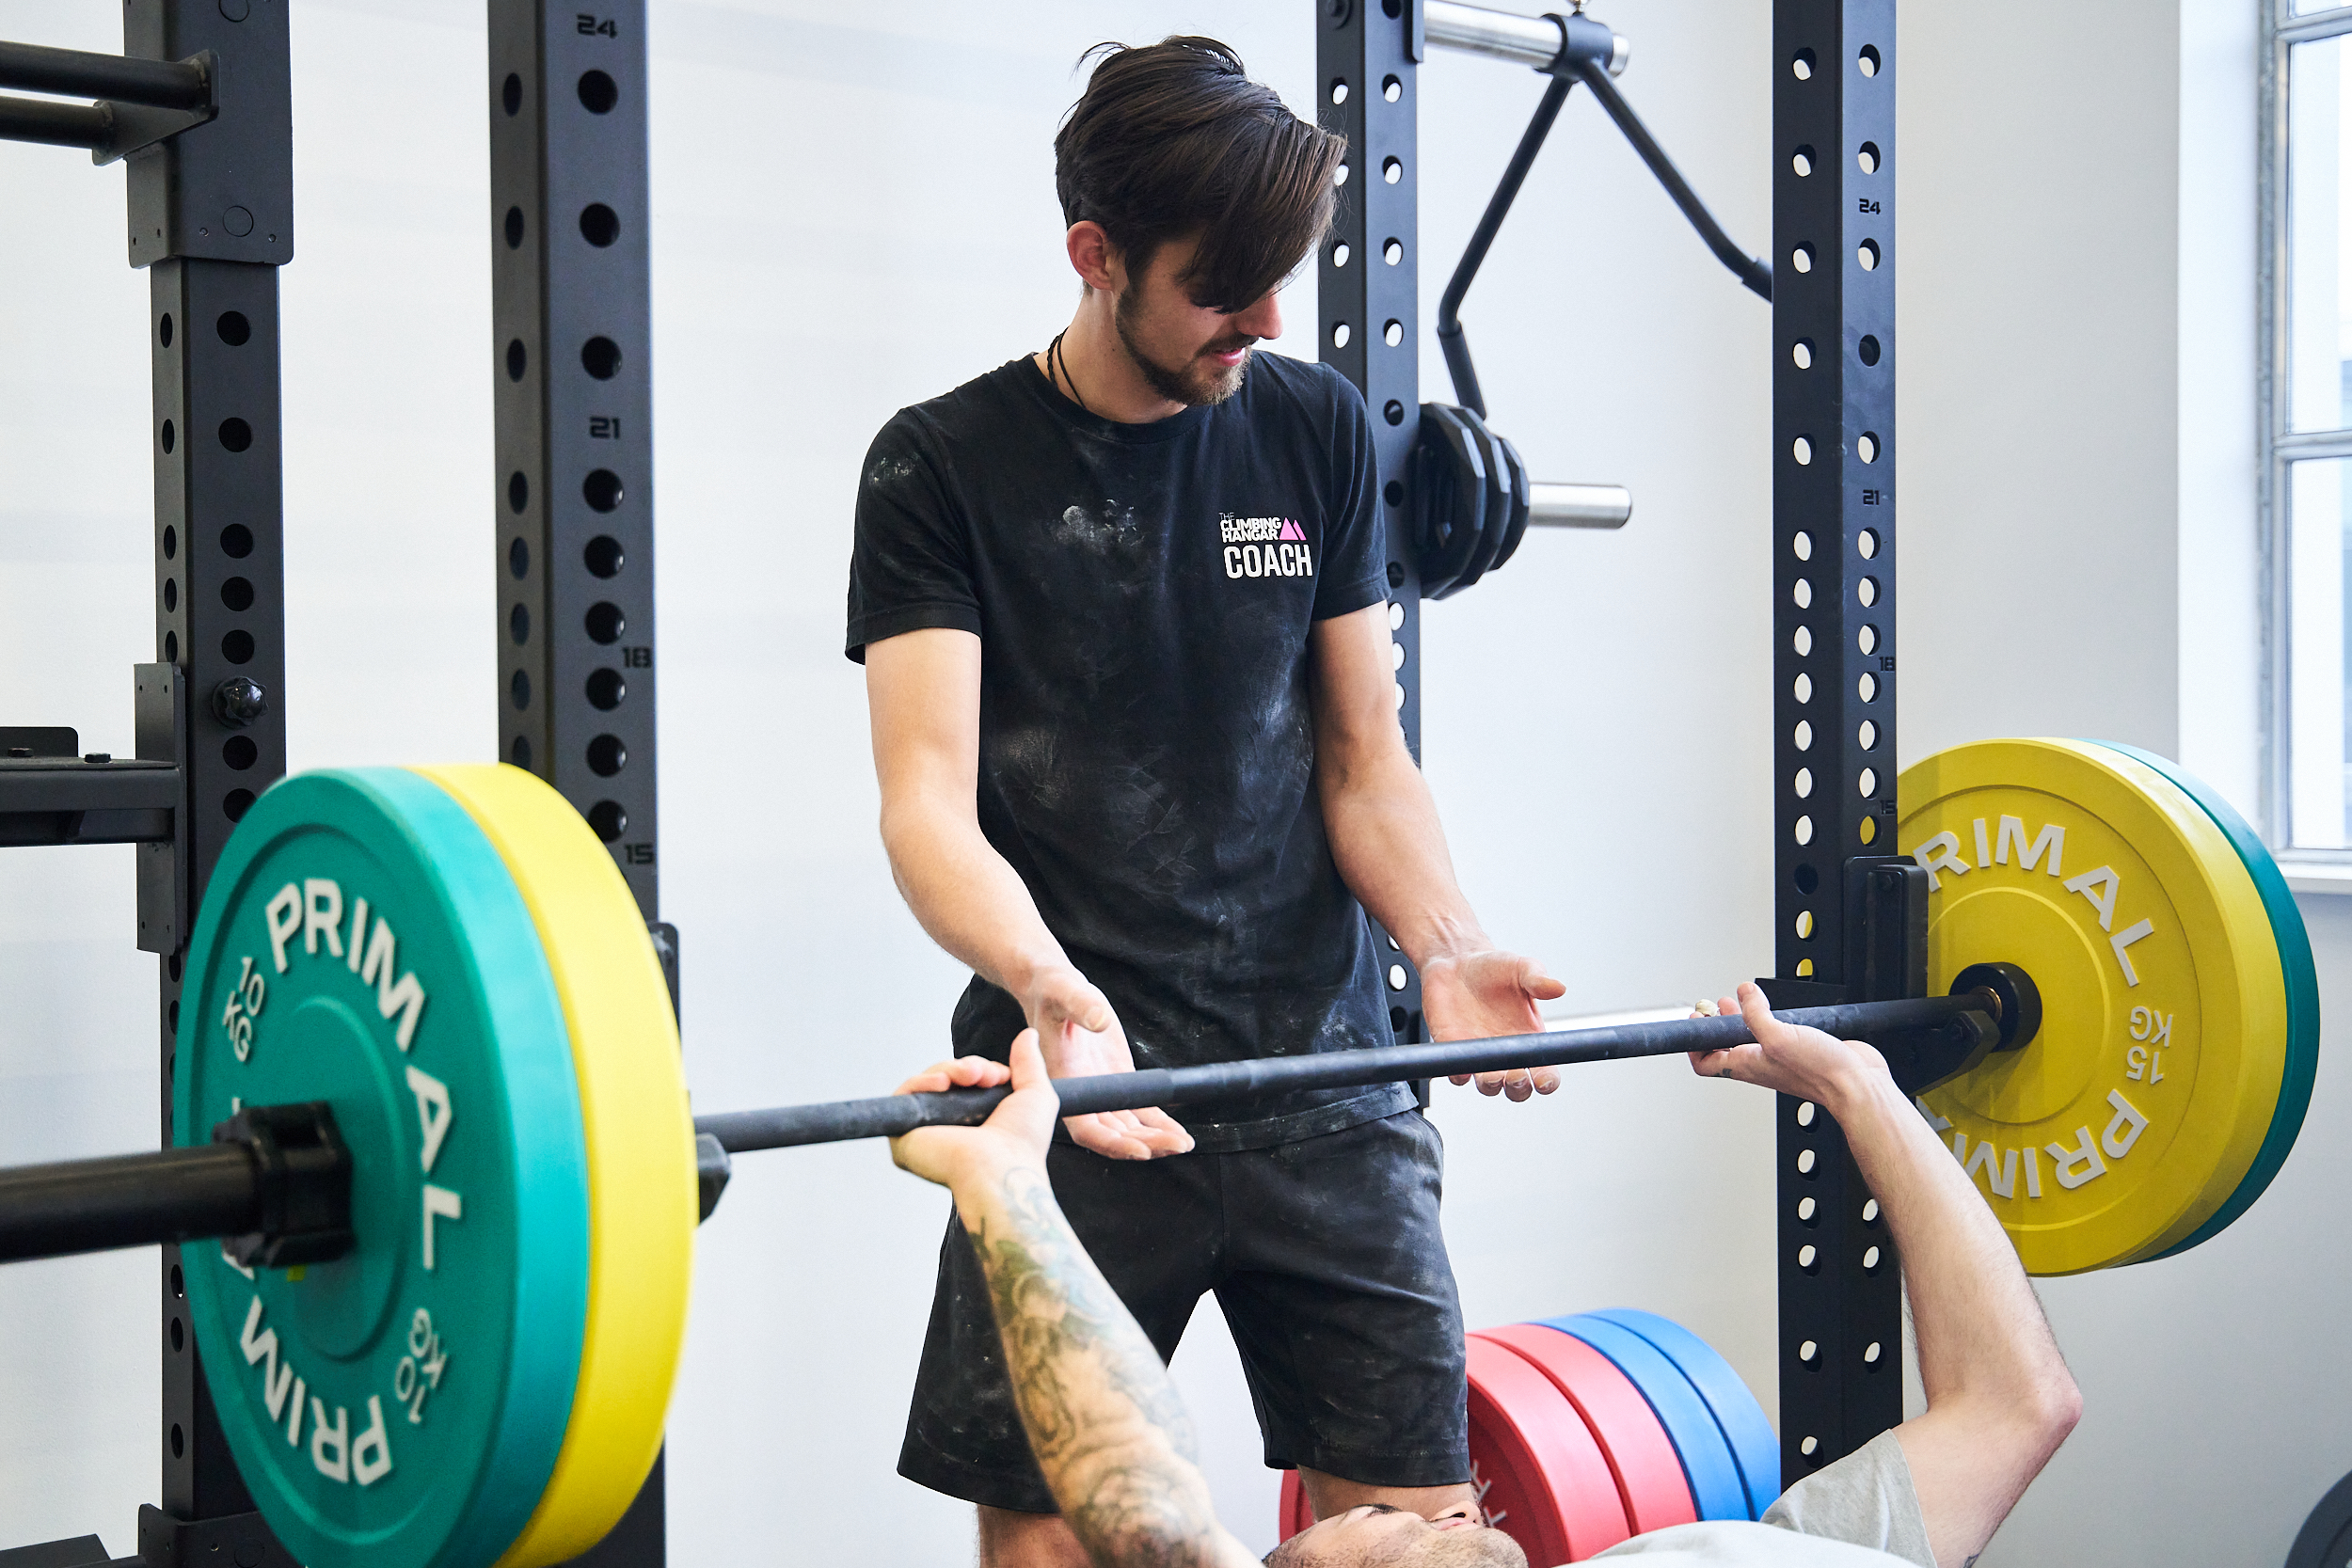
point(1862, 1512)
point(1865, 1499)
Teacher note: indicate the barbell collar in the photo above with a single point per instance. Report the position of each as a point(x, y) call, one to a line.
point(889, 1116)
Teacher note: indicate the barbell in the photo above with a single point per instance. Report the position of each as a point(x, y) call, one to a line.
point(427, 1092)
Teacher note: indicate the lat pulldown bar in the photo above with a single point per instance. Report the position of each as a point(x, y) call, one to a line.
point(279, 1179)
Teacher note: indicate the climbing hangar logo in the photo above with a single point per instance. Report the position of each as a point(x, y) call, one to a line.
point(1265, 547)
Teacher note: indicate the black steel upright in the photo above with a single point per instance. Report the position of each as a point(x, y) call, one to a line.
point(1368, 319)
point(572, 365)
point(1834, 677)
point(572, 359)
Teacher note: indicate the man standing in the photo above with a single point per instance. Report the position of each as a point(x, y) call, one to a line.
point(1123, 609)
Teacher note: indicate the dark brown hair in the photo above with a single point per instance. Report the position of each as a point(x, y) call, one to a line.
point(1172, 139)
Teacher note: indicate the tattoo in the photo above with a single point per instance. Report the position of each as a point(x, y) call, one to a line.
point(1104, 1418)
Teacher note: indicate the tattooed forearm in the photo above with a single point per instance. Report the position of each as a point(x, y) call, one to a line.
point(1104, 1419)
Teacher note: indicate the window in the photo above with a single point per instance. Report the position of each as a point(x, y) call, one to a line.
point(2307, 415)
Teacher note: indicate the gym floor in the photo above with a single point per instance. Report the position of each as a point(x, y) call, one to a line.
point(853, 211)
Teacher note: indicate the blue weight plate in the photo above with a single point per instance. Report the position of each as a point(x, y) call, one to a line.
point(1755, 1447)
point(402, 1407)
point(1706, 1461)
point(2302, 978)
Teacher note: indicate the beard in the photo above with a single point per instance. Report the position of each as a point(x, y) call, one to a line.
point(1193, 384)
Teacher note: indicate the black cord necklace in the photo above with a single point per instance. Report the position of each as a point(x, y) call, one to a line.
point(1057, 360)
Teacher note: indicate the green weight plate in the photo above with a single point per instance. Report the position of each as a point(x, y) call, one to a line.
point(402, 1407)
point(2295, 958)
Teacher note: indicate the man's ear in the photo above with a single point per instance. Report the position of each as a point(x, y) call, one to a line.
point(1093, 257)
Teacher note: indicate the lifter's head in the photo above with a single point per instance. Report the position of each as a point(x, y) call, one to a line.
point(1191, 194)
point(1377, 1536)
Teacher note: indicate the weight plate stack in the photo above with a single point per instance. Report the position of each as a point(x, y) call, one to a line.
point(1755, 1447)
point(1707, 1463)
point(2302, 982)
point(2138, 1109)
point(640, 1142)
point(361, 944)
point(1641, 1456)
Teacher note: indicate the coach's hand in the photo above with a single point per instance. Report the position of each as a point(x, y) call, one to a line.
point(1486, 993)
point(1082, 1037)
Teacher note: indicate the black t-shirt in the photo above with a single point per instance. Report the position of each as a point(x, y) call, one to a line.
point(1143, 597)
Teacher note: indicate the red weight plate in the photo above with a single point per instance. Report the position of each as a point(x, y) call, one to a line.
point(1541, 1477)
point(1296, 1515)
point(1641, 1456)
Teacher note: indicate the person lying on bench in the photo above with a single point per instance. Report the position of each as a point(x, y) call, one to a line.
point(1117, 1448)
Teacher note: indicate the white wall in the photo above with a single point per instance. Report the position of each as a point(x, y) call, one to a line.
point(853, 211)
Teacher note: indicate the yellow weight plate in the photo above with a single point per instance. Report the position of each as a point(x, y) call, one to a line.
point(641, 1151)
point(2134, 1113)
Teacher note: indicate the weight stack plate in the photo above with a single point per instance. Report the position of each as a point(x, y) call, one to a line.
point(640, 1142)
point(404, 1406)
point(2139, 1107)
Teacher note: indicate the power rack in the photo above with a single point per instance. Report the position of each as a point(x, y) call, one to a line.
point(1851, 917)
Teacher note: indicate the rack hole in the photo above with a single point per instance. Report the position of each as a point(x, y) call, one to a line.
point(1871, 1260)
point(1393, 252)
point(1339, 175)
point(1805, 924)
point(1392, 170)
point(171, 647)
point(1867, 541)
point(519, 752)
point(1339, 89)
point(606, 689)
point(600, 357)
point(171, 437)
point(603, 555)
point(1866, 156)
point(1391, 89)
point(1801, 65)
point(517, 492)
point(1803, 784)
point(1870, 1211)
point(1392, 334)
point(511, 95)
point(598, 92)
point(235, 435)
point(514, 229)
point(519, 625)
point(1869, 783)
point(1801, 352)
point(1801, 258)
point(1871, 1353)
point(1805, 1210)
point(1804, 736)
point(608, 819)
point(237, 594)
point(1394, 412)
point(179, 1285)
point(600, 225)
point(1802, 641)
point(1868, 59)
point(1810, 1259)
point(601, 489)
point(163, 329)
point(1802, 450)
point(1808, 879)
point(1868, 687)
point(237, 647)
point(235, 804)
point(1868, 736)
point(607, 755)
point(605, 622)
point(171, 541)
point(1803, 688)
point(1339, 333)
point(171, 595)
point(1802, 160)
point(234, 328)
point(1802, 592)
point(518, 560)
point(239, 752)
point(1868, 350)
point(236, 541)
point(179, 1441)
point(1805, 1113)
point(1868, 591)
point(1867, 254)
point(1393, 493)
point(517, 360)
point(1339, 253)
point(519, 691)
point(1802, 545)
point(1804, 831)
point(1807, 1446)
point(1809, 1353)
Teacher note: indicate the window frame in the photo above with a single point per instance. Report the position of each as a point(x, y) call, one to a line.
point(2282, 446)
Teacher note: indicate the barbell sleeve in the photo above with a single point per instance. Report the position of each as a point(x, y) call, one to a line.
point(888, 1115)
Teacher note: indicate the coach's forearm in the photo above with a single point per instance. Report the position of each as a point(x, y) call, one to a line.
point(965, 894)
point(1382, 823)
point(1104, 1419)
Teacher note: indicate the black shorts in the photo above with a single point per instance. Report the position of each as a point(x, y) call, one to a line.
point(1328, 1263)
